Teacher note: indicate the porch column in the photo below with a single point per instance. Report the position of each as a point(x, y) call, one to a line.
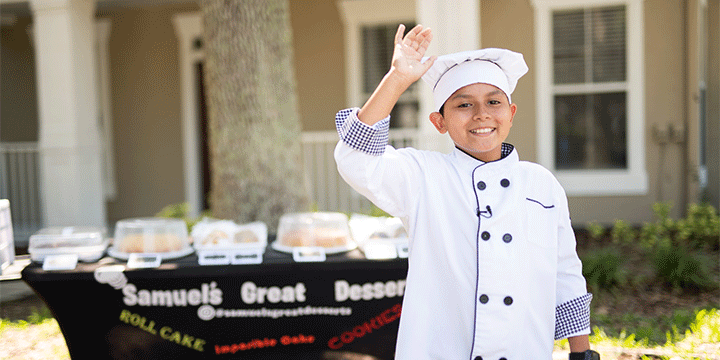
point(68, 139)
point(456, 27)
point(712, 140)
point(188, 28)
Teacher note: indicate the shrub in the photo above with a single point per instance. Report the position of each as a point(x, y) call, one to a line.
point(602, 268)
point(595, 230)
point(701, 227)
point(661, 231)
point(378, 212)
point(38, 316)
point(681, 269)
point(662, 211)
point(648, 235)
point(178, 211)
point(622, 233)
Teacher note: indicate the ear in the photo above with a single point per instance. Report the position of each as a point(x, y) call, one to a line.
point(513, 110)
point(439, 121)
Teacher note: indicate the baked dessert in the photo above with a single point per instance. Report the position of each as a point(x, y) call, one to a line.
point(323, 237)
point(328, 230)
point(150, 235)
point(211, 233)
point(245, 237)
point(142, 243)
point(215, 237)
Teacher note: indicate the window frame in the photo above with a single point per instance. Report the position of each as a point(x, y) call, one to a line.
point(595, 182)
point(359, 14)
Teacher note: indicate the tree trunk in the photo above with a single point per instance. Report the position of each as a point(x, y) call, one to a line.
point(254, 126)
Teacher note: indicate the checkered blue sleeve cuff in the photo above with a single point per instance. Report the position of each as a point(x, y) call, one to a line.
point(360, 136)
point(572, 317)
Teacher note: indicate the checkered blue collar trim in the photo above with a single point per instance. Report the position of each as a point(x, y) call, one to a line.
point(505, 150)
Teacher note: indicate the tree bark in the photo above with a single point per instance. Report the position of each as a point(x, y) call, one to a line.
point(254, 126)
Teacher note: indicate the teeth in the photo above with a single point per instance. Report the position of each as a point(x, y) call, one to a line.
point(481, 131)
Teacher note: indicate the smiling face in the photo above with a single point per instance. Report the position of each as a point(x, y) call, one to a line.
point(478, 118)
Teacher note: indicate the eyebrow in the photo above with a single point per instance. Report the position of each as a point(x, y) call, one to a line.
point(461, 95)
point(464, 95)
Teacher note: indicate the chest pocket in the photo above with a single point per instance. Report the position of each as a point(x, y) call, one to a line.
point(542, 222)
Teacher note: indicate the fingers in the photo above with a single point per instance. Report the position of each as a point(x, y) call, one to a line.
point(416, 30)
point(426, 36)
point(399, 34)
point(418, 38)
point(429, 63)
point(412, 36)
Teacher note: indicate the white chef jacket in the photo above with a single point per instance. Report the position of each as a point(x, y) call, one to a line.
point(493, 272)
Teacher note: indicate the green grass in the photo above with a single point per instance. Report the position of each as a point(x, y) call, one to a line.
point(38, 337)
point(22, 324)
point(681, 335)
point(651, 330)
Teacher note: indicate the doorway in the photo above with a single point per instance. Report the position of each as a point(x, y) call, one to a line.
point(204, 156)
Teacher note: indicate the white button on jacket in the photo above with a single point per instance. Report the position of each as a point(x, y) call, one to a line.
point(492, 251)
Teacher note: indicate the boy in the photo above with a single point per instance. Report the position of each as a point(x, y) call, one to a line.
point(493, 273)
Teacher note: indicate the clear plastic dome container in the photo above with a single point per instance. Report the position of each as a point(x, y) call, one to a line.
point(88, 242)
point(166, 237)
point(328, 230)
point(378, 237)
point(371, 228)
point(212, 234)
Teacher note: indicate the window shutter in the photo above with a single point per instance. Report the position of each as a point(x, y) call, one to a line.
point(590, 45)
point(378, 43)
point(569, 46)
point(377, 54)
point(608, 44)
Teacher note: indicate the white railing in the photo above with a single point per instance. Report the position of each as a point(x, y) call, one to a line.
point(19, 183)
point(19, 179)
point(326, 189)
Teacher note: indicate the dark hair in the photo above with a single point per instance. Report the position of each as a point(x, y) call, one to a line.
point(442, 110)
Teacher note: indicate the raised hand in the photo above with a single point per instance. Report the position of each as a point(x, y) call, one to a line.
point(407, 67)
point(409, 51)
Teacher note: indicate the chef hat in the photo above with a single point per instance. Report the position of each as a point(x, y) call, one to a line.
point(499, 67)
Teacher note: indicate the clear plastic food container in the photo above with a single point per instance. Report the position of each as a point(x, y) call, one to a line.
point(168, 238)
point(328, 230)
point(89, 243)
point(213, 234)
point(379, 237)
point(370, 228)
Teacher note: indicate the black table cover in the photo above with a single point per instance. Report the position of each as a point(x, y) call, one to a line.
point(346, 307)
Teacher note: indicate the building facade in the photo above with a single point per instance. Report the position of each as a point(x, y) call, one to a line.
point(102, 114)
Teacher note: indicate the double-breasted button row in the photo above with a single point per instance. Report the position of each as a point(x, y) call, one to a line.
point(481, 358)
point(481, 185)
point(508, 300)
point(507, 238)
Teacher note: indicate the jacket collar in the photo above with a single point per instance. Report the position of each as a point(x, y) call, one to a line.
point(510, 158)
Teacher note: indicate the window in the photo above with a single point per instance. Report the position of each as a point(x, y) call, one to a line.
point(377, 51)
point(590, 95)
point(370, 27)
point(589, 55)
